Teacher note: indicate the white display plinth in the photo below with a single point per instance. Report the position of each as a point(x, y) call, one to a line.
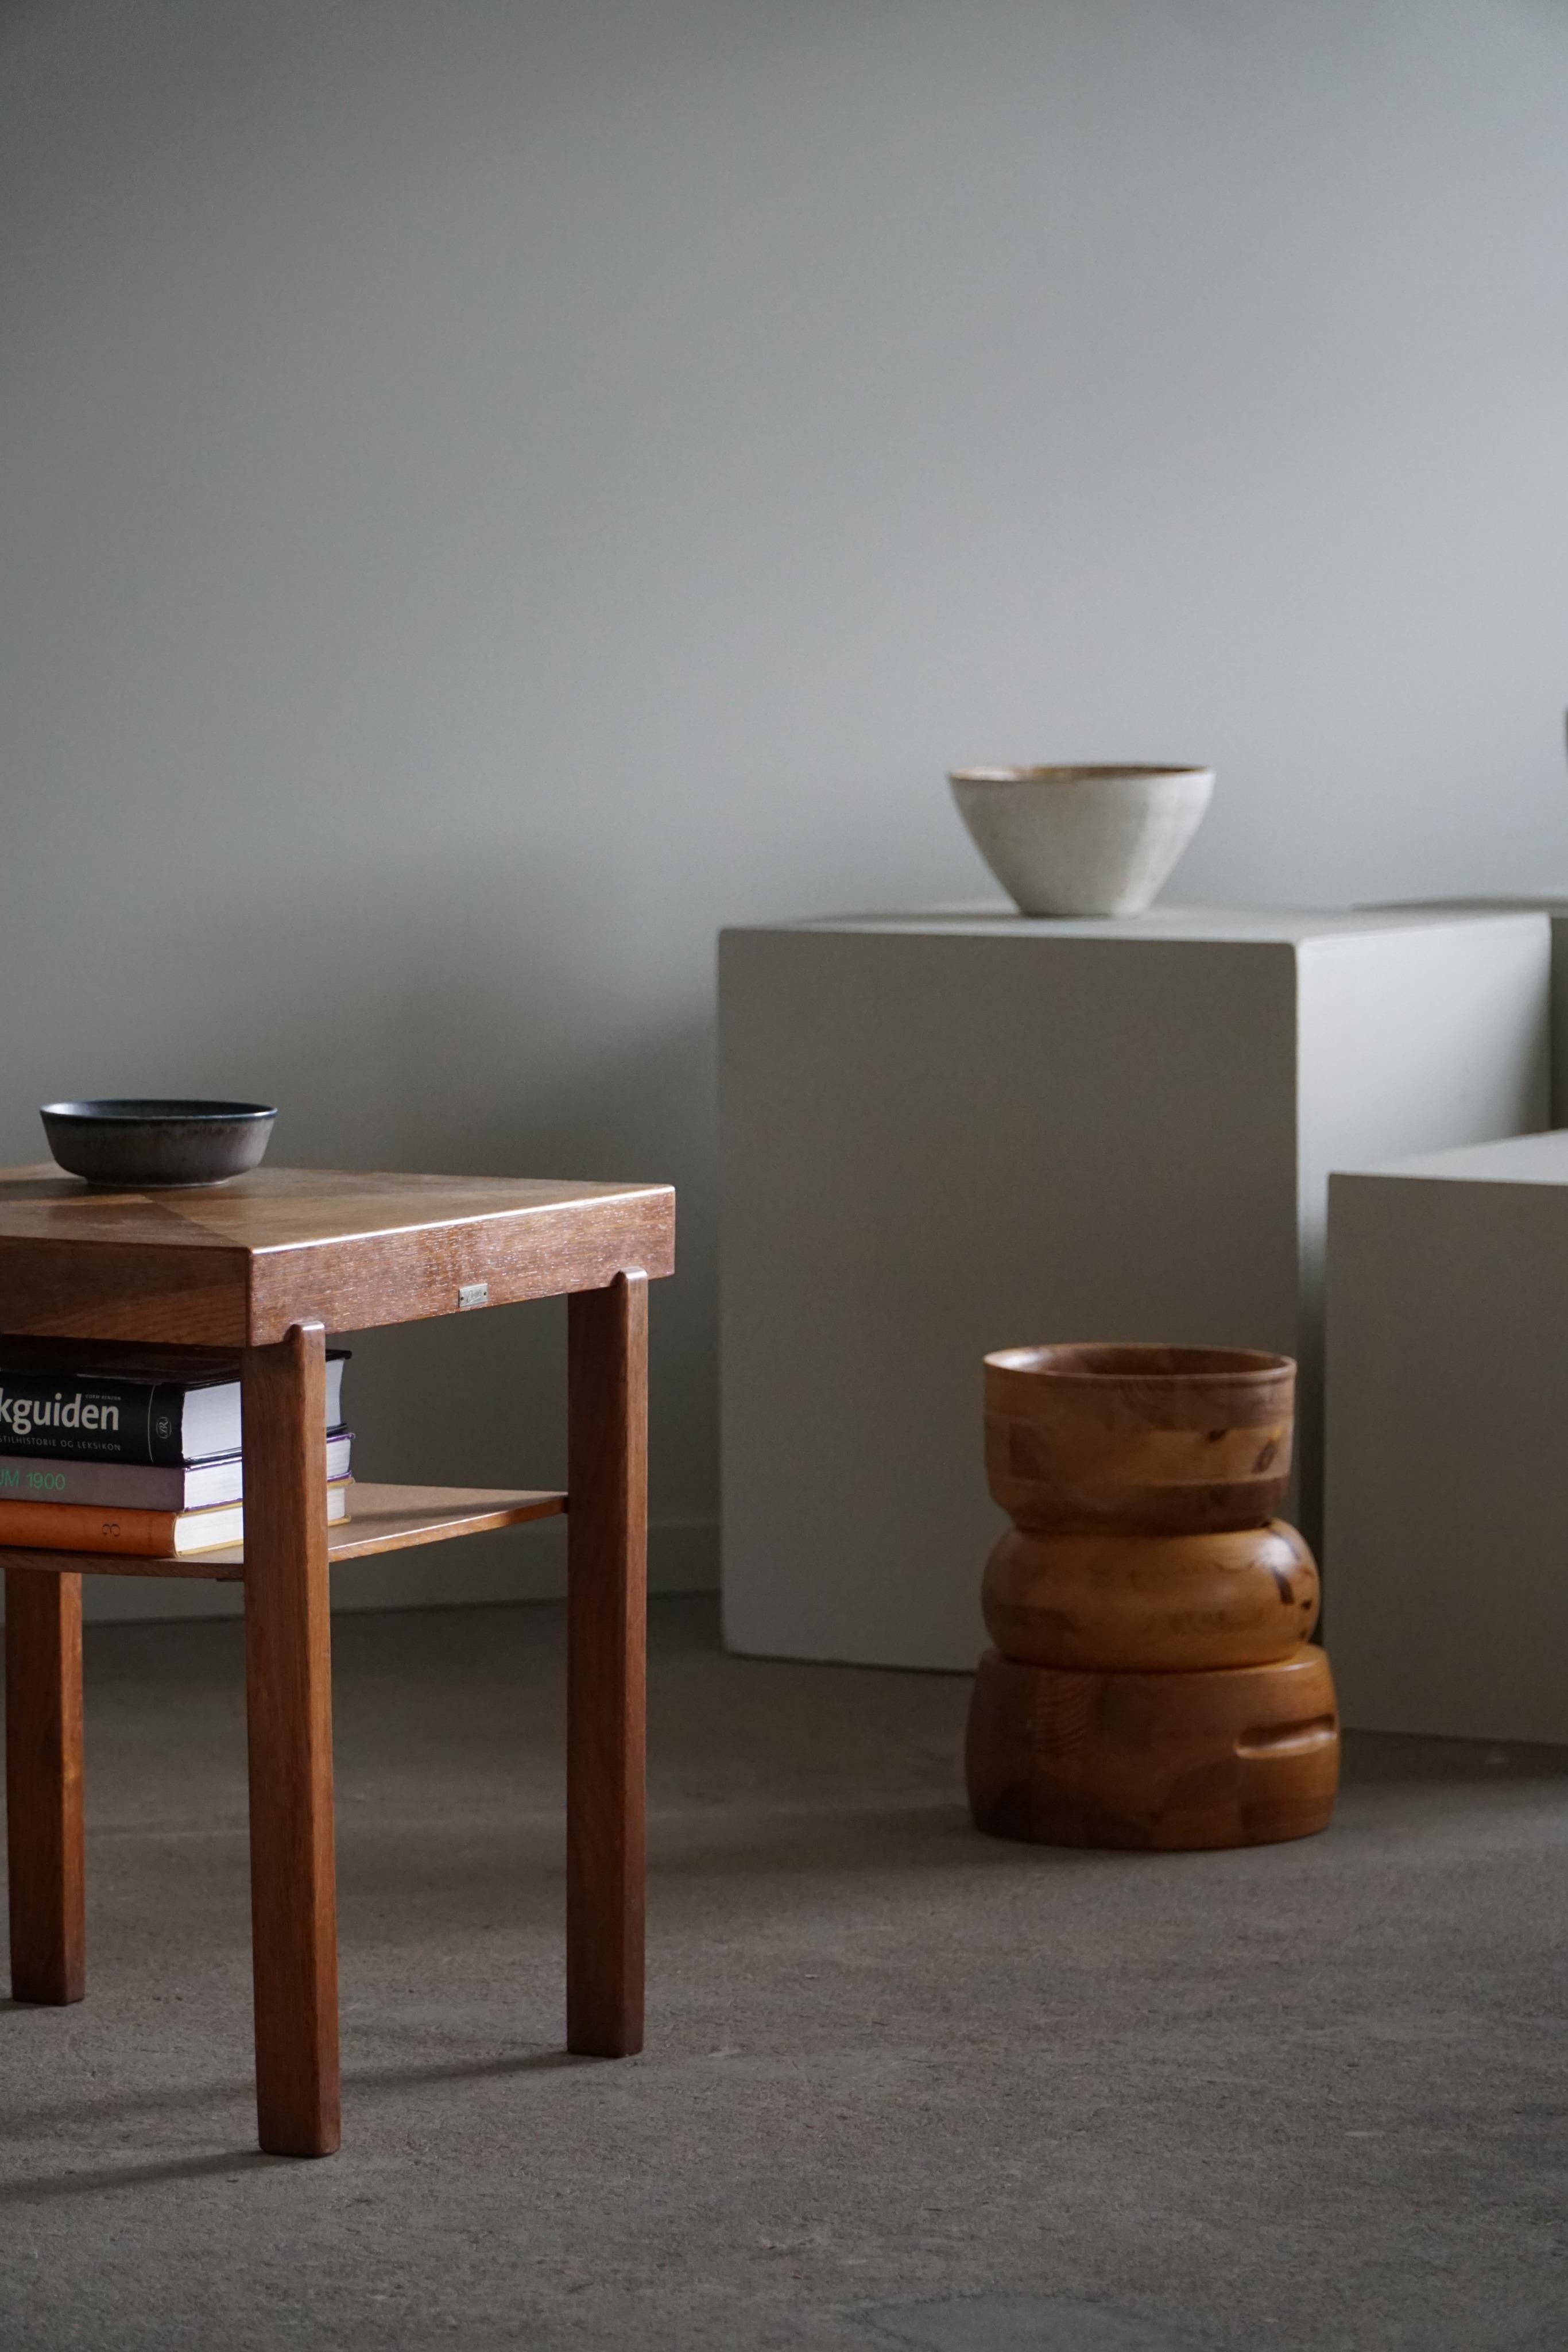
point(1447, 1593)
point(951, 1133)
point(1553, 905)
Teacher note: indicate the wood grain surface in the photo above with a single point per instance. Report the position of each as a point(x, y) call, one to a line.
point(1160, 1604)
point(172, 1296)
point(1143, 1437)
point(288, 1712)
point(607, 1543)
point(1242, 1757)
point(44, 1788)
point(238, 1263)
point(383, 1518)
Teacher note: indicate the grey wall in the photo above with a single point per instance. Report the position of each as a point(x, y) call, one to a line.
point(491, 491)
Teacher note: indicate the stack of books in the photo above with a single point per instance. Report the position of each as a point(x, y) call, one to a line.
point(115, 1449)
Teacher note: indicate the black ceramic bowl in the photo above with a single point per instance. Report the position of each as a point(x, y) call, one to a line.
point(146, 1146)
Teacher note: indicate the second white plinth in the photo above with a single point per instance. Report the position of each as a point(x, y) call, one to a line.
point(944, 1134)
point(1446, 1591)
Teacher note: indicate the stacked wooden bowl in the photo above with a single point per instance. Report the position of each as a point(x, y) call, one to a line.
point(1151, 1684)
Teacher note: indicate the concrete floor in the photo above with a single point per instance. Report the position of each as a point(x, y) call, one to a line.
point(902, 2085)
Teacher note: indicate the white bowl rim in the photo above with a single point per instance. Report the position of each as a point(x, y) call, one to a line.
point(1082, 773)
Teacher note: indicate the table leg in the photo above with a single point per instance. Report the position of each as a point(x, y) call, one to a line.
point(289, 1706)
point(43, 1785)
point(607, 1547)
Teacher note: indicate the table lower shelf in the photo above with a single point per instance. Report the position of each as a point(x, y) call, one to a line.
point(384, 1519)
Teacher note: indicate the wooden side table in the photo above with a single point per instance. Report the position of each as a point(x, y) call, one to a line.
point(269, 1265)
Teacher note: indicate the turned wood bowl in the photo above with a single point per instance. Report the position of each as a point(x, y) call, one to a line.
point(1143, 1438)
point(1243, 1756)
point(1151, 1604)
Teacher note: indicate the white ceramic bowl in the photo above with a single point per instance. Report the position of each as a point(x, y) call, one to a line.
point(1082, 840)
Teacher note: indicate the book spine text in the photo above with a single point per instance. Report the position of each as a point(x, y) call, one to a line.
point(73, 1526)
point(93, 1420)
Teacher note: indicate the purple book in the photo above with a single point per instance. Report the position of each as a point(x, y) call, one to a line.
point(142, 1485)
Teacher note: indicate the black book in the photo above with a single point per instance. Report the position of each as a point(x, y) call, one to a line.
point(102, 1402)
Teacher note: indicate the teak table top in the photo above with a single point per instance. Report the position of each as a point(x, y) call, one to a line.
point(235, 1264)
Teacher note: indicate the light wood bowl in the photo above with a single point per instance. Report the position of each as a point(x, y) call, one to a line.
point(1154, 1762)
point(1151, 1604)
point(1143, 1438)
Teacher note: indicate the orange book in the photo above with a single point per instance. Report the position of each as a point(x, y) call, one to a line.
point(137, 1534)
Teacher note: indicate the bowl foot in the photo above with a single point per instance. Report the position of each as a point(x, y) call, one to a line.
point(1154, 1762)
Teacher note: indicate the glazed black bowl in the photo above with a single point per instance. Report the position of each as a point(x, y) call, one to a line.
point(139, 1146)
